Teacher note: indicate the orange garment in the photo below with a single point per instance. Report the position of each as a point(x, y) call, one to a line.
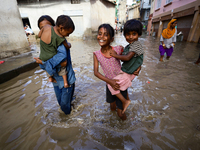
point(168, 33)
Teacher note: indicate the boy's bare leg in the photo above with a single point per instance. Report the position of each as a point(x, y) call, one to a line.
point(128, 96)
point(125, 102)
point(65, 81)
point(113, 106)
point(51, 79)
point(122, 116)
point(161, 57)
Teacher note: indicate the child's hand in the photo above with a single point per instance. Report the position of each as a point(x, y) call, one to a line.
point(114, 84)
point(121, 46)
point(113, 53)
point(38, 60)
point(66, 85)
point(172, 45)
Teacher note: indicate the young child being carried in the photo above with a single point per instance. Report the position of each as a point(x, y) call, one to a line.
point(51, 37)
point(132, 58)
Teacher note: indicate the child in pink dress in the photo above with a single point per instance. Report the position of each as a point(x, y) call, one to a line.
point(110, 66)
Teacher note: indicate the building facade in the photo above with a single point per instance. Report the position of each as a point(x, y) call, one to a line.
point(149, 26)
point(145, 6)
point(134, 11)
point(87, 15)
point(13, 40)
point(122, 11)
point(187, 13)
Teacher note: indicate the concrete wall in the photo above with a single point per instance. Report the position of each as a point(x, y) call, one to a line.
point(145, 4)
point(122, 11)
point(102, 12)
point(77, 12)
point(13, 39)
point(152, 6)
point(134, 12)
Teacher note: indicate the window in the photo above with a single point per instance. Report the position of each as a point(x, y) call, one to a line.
point(168, 1)
point(158, 4)
point(75, 1)
point(147, 14)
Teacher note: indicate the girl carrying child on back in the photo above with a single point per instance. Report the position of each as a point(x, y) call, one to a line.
point(132, 58)
point(61, 59)
point(111, 67)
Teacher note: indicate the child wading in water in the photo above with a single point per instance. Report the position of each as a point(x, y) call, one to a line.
point(110, 65)
point(132, 59)
point(64, 95)
point(51, 37)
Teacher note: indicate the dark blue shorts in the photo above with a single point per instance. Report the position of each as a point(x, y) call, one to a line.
point(112, 98)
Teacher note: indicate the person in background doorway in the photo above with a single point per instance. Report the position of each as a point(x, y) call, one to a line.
point(28, 30)
point(168, 39)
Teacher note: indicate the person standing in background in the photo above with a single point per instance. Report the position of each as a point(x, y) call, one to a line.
point(168, 39)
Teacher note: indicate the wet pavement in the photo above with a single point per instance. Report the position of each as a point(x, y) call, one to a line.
point(13, 66)
point(164, 111)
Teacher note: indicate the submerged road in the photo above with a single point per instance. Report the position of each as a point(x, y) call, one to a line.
point(164, 111)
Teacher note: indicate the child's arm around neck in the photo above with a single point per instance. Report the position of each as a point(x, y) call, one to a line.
point(122, 57)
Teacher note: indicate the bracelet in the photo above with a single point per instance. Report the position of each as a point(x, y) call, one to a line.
point(163, 45)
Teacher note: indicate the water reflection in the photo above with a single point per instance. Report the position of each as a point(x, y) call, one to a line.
point(163, 114)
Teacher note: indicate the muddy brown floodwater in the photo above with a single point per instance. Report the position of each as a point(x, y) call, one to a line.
point(164, 112)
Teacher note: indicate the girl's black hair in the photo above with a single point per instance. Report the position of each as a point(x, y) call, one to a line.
point(65, 21)
point(108, 28)
point(133, 25)
point(46, 17)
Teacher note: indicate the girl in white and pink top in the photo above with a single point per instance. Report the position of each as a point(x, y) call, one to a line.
point(110, 65)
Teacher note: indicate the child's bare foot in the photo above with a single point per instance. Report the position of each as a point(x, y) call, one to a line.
point(51, 79)
point(161, 59)
point(125, 105)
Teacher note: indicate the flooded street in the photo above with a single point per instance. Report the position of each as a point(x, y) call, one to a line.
point(164, 112)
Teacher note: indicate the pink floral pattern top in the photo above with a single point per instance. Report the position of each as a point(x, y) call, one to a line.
point(110, 65)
